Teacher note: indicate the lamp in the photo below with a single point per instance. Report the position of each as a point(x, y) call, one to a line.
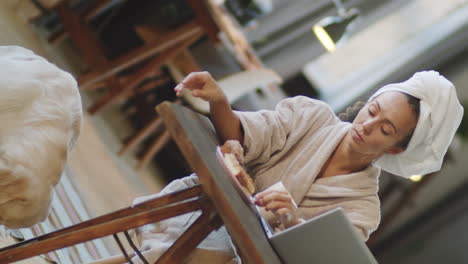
point(416, 178)
point(330, 30)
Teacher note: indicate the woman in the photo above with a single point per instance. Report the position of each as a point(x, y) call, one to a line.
point(325, 163)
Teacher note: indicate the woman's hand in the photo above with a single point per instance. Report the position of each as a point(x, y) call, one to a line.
point(280, 203)
point(202, 85)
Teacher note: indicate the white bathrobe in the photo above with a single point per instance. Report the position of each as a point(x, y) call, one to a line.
point(291, 144)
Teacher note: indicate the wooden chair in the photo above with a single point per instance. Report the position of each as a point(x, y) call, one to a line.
point(108, 73)
point(154, 210)
point(163, 47)
point(217, 197)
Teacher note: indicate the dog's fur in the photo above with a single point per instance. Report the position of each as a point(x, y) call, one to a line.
point(40, 119)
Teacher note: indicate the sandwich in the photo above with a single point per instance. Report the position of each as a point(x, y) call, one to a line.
point(233, 159)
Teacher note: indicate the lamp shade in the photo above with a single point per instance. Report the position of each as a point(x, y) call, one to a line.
point(330, 30)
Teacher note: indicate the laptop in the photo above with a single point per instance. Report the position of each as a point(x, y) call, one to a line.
point(328, 238)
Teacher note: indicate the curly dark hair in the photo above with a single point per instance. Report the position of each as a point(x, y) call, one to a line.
point(351, 112)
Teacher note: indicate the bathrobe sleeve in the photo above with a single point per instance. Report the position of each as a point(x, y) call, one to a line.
point(267, 132)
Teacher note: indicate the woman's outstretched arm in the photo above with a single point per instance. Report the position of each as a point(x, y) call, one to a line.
point(202, 85)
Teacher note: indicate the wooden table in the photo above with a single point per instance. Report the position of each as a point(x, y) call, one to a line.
point(217, 197)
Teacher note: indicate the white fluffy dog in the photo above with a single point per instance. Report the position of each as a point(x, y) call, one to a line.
point(40, 119)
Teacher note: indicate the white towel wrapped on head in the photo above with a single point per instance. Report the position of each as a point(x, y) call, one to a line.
point(439, 118)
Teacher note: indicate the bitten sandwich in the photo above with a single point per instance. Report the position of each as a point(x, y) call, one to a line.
point(233, 159)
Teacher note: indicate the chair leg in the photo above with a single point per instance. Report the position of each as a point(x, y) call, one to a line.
point(196, 233)
point(141, 135)
point(157, 145)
